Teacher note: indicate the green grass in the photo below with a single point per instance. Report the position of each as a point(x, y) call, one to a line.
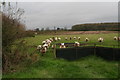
point(89, 67)
point(50, 67)
point(108, 39)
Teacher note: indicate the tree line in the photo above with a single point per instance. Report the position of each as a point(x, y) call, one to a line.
point(96, 27)
point(113, 26)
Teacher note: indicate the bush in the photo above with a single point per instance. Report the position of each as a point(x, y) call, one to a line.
point(29, 33)
point(13, 29)
point(18, 56)
point(10, 31)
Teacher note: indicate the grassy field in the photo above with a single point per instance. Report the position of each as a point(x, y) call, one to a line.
point(50, 67)
point(93, 38)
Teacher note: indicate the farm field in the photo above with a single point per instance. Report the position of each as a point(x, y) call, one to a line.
point(93, 38)
point(50, 67)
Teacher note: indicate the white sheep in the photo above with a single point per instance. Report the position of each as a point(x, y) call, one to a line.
point(43, 50)
point(77, 44)
point(48, 41)
point(115, 38)
point(39, 47)
point(56, 38)
point(74, 37)
point(43, 42)
point(86, 39)
point(66, 38)
point(62, 45)
point(100, 39)
point(59, 38)
point(46, 45)
point(78, 38)
point(51, 39)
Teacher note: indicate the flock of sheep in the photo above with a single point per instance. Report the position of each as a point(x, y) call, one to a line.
point(46, 44)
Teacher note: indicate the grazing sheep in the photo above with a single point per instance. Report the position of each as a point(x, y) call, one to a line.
point(46, 45)
point(59, 38)
point(48, 41)
point(100, 39)
point(86, 39)
point(56, 38)
point(66, 38)
point(43, 50)
point(51, 39)
point(115, 38)
point(74, 37)
point(43, 42)
point(70, 38)
point(77, 44)
point(62, 45)
point(39, 47)
point(78, 38)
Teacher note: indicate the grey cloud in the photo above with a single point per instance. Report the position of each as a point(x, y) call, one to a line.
point(66, 14)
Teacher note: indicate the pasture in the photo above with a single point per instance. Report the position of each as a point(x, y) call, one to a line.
point(93, 38)
point(50, 67)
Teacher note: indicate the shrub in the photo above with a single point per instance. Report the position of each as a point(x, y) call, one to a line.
point(13, 29)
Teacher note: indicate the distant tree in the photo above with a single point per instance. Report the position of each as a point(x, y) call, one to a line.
point(58, 28)
point(42, 29)
point(65, 28)
point(37, 29)
point(96, 26)
point(62, 29)
point(47, 29)
point(54, 28)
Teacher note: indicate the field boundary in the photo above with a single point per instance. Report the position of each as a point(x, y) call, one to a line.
point(79, 52)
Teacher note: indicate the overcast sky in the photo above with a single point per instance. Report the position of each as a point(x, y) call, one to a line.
point(66, 14)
